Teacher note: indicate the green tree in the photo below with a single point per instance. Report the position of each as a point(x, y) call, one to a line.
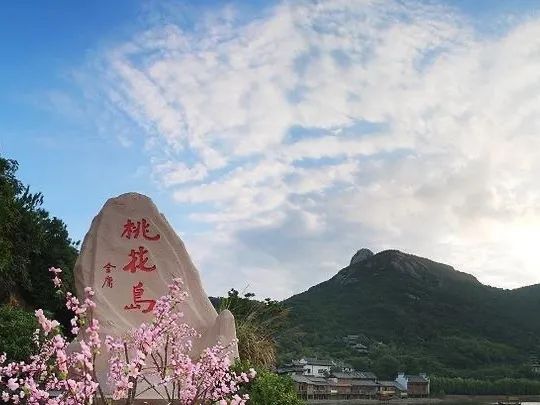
point(31, 241)
point(257, 324)
point(386, 366)
point(272, 389)
point(16, 327)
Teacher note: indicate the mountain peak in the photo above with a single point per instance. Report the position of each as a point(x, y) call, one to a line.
point(361, 255)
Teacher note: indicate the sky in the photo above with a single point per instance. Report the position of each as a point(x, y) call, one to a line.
point(280, 137)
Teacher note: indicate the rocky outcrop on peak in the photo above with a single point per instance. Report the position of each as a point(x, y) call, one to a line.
point(361, 255)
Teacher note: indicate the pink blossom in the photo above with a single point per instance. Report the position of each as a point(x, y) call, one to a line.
point(158, 359)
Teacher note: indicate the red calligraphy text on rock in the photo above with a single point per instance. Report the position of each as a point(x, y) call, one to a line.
point(134, 229)
point(138, 260)
point(138, 292)
point(108, 267)
point(108, 282)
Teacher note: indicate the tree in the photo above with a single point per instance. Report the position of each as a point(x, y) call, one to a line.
point(386, 366)
point(271, 389)
point(257, 323)
point(16, 330)
point(30, 241)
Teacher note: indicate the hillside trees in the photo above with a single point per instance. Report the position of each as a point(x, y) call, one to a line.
point(257, 324)
point(31, 241)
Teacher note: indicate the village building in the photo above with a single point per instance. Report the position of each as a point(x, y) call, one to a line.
point(325, 379)
point(353, 341)
point(337, 385)
point(391, 389)
point(363, 384)
point(316, 367)
point(415, 385)
point(291, 368)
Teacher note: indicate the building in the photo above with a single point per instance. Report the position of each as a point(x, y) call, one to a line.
point(291, 368)
point(353, 341)
point(363, 384)
point(391, 389)
point(415, 385)
point(364, 389)
point(354, 376)
point(337, 385)
point(311, 387)
point(315, 367)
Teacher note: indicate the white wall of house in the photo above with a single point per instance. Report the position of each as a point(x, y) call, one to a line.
point(402, 380)
point(310, 369)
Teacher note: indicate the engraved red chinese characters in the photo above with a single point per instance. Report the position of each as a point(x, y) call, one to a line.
point(108, 267)
point(138, 292)
point(108, 282)
point(138, 260)
point(134, 230)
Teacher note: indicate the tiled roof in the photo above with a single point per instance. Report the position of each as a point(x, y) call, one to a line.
point(300, 379)
point(392, 384)
point(416, 379)
point(317, 362)
point(356, 375)
point(364, 383)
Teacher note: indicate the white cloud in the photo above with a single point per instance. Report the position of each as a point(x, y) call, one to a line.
point(317, 128)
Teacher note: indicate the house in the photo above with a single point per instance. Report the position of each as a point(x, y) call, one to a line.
point(363, 384)
point(534, 364)
point(415, 385)
point(309, 387)
point(316, 367)
point(364, 389)
point(353, 341)
point(354, 376)
point(391, 389)
point(336, 386)
point(291, 368)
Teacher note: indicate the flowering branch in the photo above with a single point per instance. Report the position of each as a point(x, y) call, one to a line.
point(156, 356)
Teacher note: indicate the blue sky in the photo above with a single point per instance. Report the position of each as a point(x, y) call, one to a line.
point(278, 138)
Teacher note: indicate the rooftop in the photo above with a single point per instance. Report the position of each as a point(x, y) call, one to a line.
point(316, 362)
point(416, 378)
point(356, 375)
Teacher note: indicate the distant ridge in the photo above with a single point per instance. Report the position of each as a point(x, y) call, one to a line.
point(414, 306)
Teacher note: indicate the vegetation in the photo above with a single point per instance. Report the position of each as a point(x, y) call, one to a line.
point(412, 313)
point(415, 315)
point(31, 241)
point(16, 327)
point(470, 386)
point(257, 323)
point(271, 389)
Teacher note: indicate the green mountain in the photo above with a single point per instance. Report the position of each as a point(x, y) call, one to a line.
point(414, 314)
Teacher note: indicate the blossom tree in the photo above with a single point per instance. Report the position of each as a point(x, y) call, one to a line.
point(155, 356)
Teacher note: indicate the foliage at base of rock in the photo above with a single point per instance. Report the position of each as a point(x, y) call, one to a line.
point(16, 330)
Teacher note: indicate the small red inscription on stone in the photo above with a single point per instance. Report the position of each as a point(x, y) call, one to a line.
point(108, 282)
point(108, 267)
point(138, 292)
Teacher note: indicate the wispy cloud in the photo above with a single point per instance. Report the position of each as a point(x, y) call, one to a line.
point(314, 129)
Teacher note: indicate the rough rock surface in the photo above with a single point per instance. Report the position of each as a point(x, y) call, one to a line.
point(361, 255)
point(129, 257)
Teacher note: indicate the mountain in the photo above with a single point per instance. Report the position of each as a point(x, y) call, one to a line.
point(415, 314)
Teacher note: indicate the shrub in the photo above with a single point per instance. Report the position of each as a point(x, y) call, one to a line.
point(272, 389)
point(16, 330)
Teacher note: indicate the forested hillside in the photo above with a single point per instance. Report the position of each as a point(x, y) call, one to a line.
point(31, 241)
point(414, 314)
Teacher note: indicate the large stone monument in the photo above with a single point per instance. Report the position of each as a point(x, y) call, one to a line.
point(129, 257)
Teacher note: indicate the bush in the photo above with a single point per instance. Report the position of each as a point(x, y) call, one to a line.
point(16, 330)
point(272, 389)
